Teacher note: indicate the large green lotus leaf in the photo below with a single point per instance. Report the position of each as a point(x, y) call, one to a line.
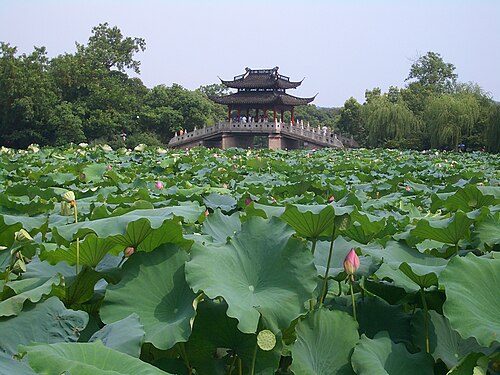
point(220, 226)
point(118, 226)
point(92, 251)
point(422, 269)
point(448, 231)
point(467, 366)
point(465, 199)
point(215, 332)
point(375, 315)
point(29, 289)
point(94, 172)
point(126, 335)
point(81, 289)
point(265, 211)
point(488, 232)
point(225, 203)
point(54, 323)
point(154, 287)
point(12, 366)
point(84, 359)
point(262, 271)
point(380, 356)
point(397, 277)
point(169, 232)
point(444, 342)
point(9, 224)
point(325, 340)
point(364, 226)
point(472, 303)
point(310, 221)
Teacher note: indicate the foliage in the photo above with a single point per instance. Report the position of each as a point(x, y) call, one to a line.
point(186, 278)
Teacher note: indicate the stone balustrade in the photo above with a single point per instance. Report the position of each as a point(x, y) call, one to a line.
point(318, 136)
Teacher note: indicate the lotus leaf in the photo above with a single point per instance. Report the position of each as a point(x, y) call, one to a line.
point(472, 304)
point(325, 340)
point(154, 287)
point(261, 272)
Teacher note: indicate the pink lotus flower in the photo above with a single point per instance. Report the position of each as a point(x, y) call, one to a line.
point(331, 199)
point(128, 251)
point(206, 212)
point(351, 262)
point(224, 186)
point(248, 200)
point(159, 185)
point(408, 188)
point(109, 167)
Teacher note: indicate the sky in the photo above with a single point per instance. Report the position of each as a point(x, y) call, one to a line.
point(341, 48)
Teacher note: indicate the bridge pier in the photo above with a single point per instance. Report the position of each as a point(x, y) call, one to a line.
point(236, 140)
point(275, 141)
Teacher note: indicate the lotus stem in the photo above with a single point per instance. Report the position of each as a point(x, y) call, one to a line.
point(240, 367)
point(254, 359)
point(75, 211)
point(184, 356)
point(352, 299)
point(232, 366)
point(313, 248)
point(325, 282)
point(426, 321)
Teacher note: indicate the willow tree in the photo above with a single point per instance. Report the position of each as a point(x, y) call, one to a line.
point(449, 118)
point(493, 129)
point(388, 121)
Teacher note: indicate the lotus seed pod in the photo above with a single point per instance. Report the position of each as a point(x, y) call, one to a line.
point(23, 236)
point(69, 196)
point(266, 340)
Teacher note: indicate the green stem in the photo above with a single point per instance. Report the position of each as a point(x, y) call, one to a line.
point(240, 367)
point(254, 360)
point(184, 356)
point(233, 364)
point(77, 241)
point(456, 249)
point(353, 302)
point(313, 248)
point(325, 282)
point(426, 320)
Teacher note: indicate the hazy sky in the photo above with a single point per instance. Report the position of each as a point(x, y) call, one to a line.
point(341, 48)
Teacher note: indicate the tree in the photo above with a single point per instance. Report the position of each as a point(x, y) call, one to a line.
point(493, 129)
point(109, 49)
point(433, 73)
point(351, 122)
point(387, 121)
point(449, 118)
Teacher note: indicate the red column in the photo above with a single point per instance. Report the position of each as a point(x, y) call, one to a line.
point(274, 114)
point(229, 113)
point(239, 114)
point(293, 117)
point(257, 115)
point(282, 115)
point(265, 114)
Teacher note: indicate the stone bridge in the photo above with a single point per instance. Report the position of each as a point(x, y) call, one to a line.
point(279, 136)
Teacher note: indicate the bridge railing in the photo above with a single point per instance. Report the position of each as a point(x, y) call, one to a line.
point(318, 135)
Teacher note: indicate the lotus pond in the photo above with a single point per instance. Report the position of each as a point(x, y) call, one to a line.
point(209, 262)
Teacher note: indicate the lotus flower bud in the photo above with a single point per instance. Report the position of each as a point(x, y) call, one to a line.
point(248, 200)
point(128, 251)
point(407, 188)
point(206, 212)
point(351, 262)
point(109, 167)
point(23, 236)
point(331, 199)
point(159, 185)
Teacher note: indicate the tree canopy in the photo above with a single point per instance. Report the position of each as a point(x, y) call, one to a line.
point(88, 96)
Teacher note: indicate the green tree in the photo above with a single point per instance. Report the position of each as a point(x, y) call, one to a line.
point(450, 117)
point(387, 121)
point(492, 138)
point(351, 122)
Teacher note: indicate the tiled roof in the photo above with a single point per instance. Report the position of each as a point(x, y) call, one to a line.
point(261, 78)
point(269, 98)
